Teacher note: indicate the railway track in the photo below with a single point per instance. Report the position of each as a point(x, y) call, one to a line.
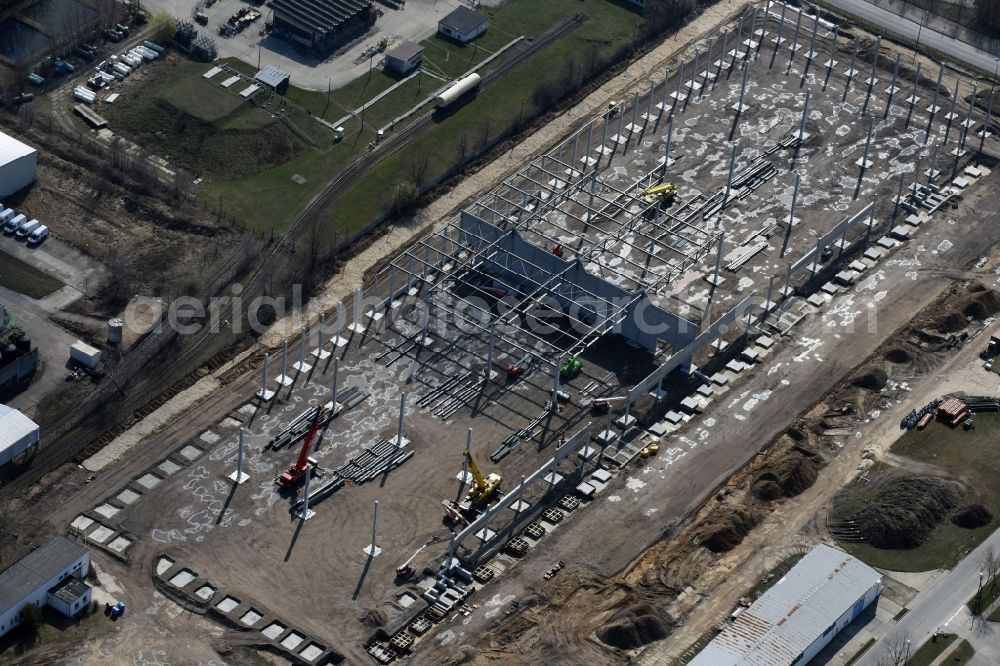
point(91, 437)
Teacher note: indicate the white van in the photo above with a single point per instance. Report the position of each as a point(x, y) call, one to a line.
point(38, 235)
point(6, 214)
point(25, 229)
point(14, 223)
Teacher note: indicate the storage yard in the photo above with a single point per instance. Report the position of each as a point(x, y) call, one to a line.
point(515, 406)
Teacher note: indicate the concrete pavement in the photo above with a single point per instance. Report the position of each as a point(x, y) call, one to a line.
point(894, 24)
point(942, 607)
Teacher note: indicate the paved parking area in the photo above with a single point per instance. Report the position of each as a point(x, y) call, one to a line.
point(417, 21)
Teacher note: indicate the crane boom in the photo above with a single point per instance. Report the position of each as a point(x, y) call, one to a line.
point(474, 469)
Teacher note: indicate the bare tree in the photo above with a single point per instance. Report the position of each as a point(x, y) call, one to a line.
point(989, 565)
point(895, 650)
point(418, 166)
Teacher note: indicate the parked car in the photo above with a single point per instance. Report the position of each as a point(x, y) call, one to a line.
point(25, 229)
point(38, 235)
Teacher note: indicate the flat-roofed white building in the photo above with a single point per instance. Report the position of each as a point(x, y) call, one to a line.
point(51, 575)
point(796, 618)
point(18, 162)
point(18, 433)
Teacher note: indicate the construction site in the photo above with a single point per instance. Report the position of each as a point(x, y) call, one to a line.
point(556, 377)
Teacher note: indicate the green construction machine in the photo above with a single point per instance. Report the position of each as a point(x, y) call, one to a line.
point(570, 368)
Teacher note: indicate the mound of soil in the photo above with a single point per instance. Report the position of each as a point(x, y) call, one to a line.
point(873, 379)
point(972, 516)
point(791, 476)
point(952, 322)
point(906, 510)
point(899, 356)
point(726, 532)
point(981, 302)
point(374, 618)
point(634, 627)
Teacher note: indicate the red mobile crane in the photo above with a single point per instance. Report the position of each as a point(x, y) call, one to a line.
point(296, 473)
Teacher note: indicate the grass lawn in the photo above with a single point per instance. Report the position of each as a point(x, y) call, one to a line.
point(995, 615)
point(247, 156)
point(931, 650)
point(962, 654)
point(24, 278)
point(989, 594)
point(972, 458)
point(608, 28)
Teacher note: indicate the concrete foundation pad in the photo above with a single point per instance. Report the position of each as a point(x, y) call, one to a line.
point(229, 603)
point(251, 617)
point(355, 327)
point(120, 544)
point(371, 550)
point(320, 353)
point(239, 478)
point(626, 422)
point(301, 367)
point(149, 481)
point(284, 380)
point(107, 510)
point(102, 534)
point(248, 409)
point(863, 163)
point(587, 453)
point(209, 437)
point(272, 630)
point(464, 477)
point(205, 592)
point(338, 341)
point(932, 109)
point(519, 506)
point(485, 534)
point(190, 453)
point(265, 394)
point(830, 64)
point(311, 652)
point(168, 467)
point(229, 423)
point(606, 437)
point(163, 565)
point(553, 478)
point(81, 523)
point(183, 578)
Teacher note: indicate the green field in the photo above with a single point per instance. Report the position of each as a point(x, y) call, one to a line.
point(970, 457)
point(931, 650)
point(247, 157)
point(24, 278)
point(256, 186)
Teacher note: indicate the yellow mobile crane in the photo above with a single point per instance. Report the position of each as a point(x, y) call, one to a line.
point(483, 488)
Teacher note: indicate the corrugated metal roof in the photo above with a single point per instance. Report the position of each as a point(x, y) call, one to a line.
point(36, 569)
point(790, 616)
point(12, 149)
point(271, 75)
point(14, 426)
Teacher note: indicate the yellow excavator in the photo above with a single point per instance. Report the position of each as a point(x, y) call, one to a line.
point(615, 107)
point(663, 193)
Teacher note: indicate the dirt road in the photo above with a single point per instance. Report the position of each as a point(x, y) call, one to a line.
point(609, 535)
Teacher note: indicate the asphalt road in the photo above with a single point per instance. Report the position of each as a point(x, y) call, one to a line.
point(938, 605)
point(931, 39)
